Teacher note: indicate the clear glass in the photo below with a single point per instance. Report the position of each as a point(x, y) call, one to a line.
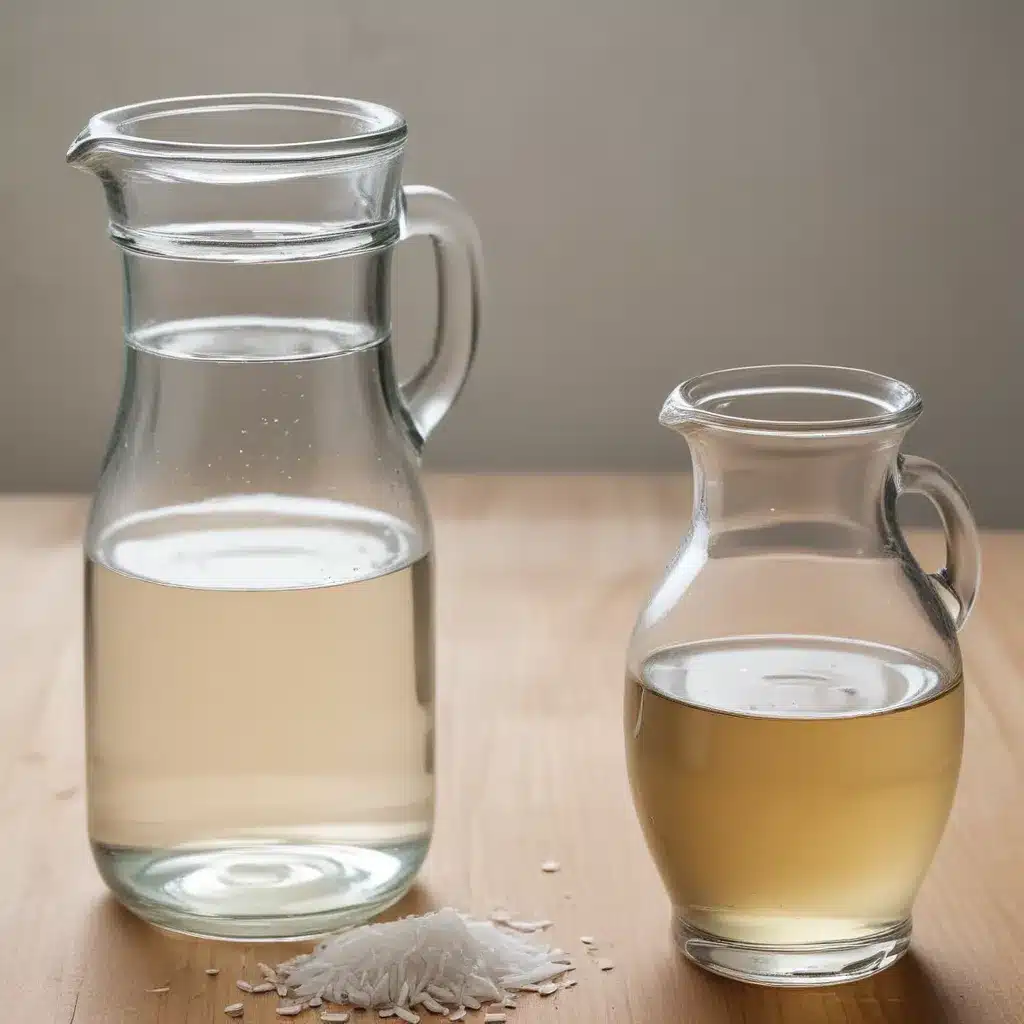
point(794, 689)
point(259, 604)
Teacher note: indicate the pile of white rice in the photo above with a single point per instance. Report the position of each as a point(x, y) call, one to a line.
point(442, 963)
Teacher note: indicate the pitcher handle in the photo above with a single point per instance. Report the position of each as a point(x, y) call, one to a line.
point(961, 574)
point(430, 392)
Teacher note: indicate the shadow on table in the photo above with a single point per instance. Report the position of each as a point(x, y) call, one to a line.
point(903, 994)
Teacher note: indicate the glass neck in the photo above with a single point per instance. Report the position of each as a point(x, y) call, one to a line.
point(210, 344)
point(349, 295)
point(778, 488)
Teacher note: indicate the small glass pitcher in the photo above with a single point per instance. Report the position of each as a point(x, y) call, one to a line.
point(794, 695)
point(259, 624)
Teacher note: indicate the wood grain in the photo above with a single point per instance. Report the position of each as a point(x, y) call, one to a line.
point(539, 581)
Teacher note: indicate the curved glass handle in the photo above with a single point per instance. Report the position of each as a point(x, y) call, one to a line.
point(429, 393)
point(961, 574)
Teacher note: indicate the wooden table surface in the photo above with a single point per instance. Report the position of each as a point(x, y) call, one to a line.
point(539, 581)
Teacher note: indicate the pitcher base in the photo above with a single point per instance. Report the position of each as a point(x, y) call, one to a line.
point(260, 892)
point(793, 966)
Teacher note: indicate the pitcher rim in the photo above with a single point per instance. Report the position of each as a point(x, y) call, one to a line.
point(115, 129)
point(897, 403)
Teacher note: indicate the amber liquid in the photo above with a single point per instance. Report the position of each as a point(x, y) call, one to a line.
point(260, 711)
point(792, 791)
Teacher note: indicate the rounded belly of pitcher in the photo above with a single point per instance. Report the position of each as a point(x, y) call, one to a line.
point(793, 792)
point(259, 714)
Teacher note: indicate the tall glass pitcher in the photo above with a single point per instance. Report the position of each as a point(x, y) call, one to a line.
point(259, 628)
point(794, 701)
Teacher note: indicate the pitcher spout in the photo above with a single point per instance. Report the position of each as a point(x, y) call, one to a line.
point(675, 413)
point(82, 149)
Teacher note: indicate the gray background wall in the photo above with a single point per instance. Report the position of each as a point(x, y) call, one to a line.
point(662, 187)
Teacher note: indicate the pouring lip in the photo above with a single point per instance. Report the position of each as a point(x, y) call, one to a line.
point(121, 130)
point(716, 399)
